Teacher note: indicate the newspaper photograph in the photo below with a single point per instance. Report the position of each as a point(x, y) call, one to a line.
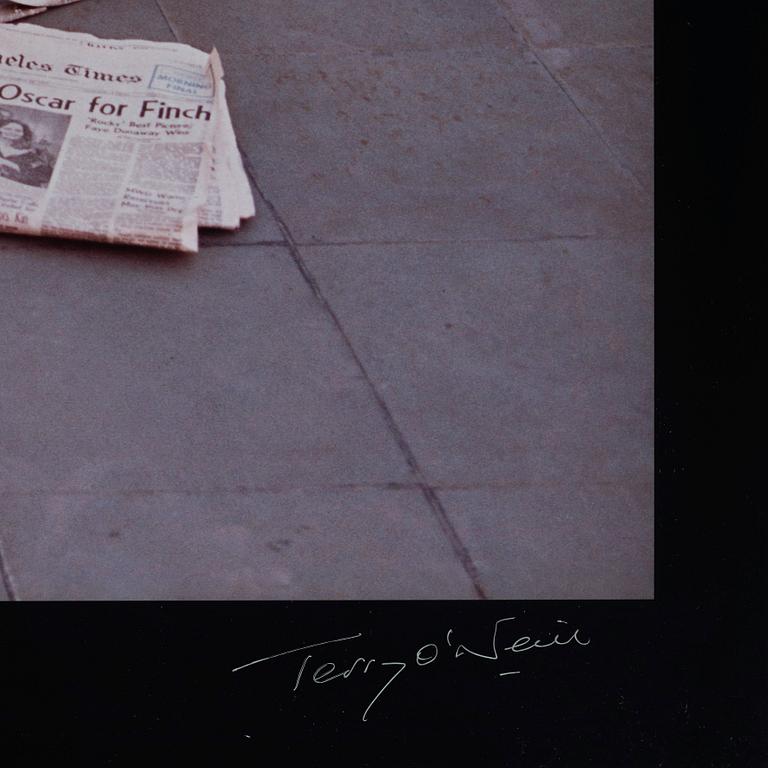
point(123, 141)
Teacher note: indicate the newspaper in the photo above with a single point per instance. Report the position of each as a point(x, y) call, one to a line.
point(12, 11)
point(15, 11)
point(123, 141)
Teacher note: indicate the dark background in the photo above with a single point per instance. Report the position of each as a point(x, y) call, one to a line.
point(679, 681)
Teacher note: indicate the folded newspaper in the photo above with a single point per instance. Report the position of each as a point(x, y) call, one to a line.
point(122, 141)
point(12, 11)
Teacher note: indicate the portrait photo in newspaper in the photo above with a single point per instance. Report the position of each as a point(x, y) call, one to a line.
point(30, 142)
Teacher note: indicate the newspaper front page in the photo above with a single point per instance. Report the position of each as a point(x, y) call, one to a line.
point(123, 141)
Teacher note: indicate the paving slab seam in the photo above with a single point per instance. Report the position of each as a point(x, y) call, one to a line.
point(564, 88)
point(254, 244)
point(8, 583)
point(240, 490)
point(167, 20)
point(328, 488)
point(441, 515)
point(525, 484)
point(602, 47)
point(480, 241)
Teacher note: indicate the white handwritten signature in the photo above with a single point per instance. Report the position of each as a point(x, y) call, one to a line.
point(424, 656)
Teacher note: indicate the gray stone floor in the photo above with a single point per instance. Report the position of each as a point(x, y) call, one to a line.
point(424, 371)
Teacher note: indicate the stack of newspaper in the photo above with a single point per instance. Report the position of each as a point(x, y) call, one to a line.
point(123, 141)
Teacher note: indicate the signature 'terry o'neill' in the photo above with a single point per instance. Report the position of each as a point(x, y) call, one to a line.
point(427, 654)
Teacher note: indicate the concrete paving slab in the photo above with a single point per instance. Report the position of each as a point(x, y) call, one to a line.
point(138, 370)
point(318, 544)
point(554, 23)
point(614, 87)
point(480, 144)
point(506, 362)
point(117, 19)
point(339, 26)
point(559, 542)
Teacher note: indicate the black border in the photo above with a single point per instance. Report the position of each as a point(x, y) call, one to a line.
point(677, 681)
